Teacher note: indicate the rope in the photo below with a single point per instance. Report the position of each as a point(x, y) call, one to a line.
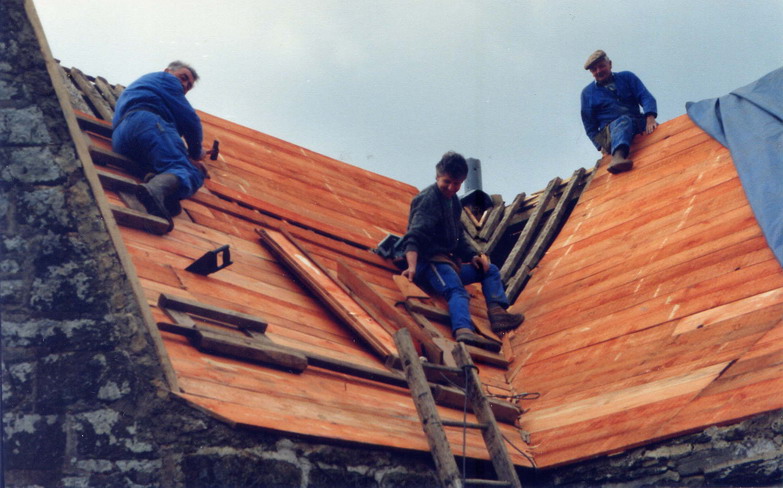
point(466, 390)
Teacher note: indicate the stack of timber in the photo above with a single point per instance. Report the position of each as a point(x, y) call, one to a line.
point(656, 311)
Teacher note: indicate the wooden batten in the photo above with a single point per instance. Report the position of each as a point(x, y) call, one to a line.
point(493, 238)
point(137, 219)
point(491, 219)
point(250, 349)
point(384, 312)
point(545, 236)
point(238, 319)
point(95, 99)
point(105, 157)
point(517, 253)
point(329, 292)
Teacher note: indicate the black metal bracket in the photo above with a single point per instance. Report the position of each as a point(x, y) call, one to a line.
point(208, 263)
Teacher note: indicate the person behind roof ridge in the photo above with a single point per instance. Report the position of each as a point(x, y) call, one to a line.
point(151, 117)
point(610, 110)
point(435, 250)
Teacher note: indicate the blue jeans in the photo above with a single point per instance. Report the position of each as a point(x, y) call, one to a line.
point(152, 142)
point(444, 280)
point(623, 129)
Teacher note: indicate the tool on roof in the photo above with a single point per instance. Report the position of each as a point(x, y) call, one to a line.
point(208, 263)
point(213, 153)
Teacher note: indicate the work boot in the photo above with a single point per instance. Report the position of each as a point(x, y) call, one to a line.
point(155, 192)
point(620, 161)
point(502, 321)
point(469, 337)
point(171, 202)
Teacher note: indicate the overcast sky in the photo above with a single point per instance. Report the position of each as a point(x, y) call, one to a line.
point(391, 85)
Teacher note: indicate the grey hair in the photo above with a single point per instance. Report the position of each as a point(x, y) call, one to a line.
point(175, 65)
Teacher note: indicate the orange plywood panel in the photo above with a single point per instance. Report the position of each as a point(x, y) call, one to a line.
point(314, 403)
point(621, 400)
point(660, 273)
point(657, 311)
point(275, 181)
point(604, 435)
point(334, 224)
point(644, 357)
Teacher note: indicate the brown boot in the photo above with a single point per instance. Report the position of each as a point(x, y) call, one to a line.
point(620, 161)
point(502, 321)
point(469, 337)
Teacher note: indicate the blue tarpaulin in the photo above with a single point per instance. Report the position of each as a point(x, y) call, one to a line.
point(749, 122)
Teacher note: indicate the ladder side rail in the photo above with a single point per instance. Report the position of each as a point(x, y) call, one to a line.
point(445, 464)
point(493, 437)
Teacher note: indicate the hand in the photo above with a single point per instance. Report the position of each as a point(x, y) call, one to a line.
point(409, 273)
point(651, 124)
point(481, 261)
point(201, 166)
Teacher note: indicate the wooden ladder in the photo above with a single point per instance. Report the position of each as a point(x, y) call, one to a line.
point(445, 462)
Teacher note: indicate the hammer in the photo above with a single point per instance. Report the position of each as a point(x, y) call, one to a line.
point(213, 154)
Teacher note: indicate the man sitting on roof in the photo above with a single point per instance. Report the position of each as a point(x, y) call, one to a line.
point(610, 110)
point(151, 118)
point(435, 249)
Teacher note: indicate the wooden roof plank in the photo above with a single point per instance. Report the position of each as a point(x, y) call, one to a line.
point(329, 292)
point(500, 228)
point(517, 253)
point(93, 97)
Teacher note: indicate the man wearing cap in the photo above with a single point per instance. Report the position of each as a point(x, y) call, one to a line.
point(610, 110)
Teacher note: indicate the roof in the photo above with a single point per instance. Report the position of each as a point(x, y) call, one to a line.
point(651, 310)
point(657, 310)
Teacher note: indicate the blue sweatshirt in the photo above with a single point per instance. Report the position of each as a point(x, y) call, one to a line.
point(162, 93)
point(600, 106)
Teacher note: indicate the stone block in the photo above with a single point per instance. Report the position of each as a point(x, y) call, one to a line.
point(59, 335)
point(81, 378)
point(216, 469)
point(45, 209)
point(33, 442)
point(23, 126)
point(337, 476)
point(31, 165)
point(408, 479)
point(112, 435)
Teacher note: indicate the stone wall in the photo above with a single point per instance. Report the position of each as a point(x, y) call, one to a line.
point(749, 453)
point(84, 399)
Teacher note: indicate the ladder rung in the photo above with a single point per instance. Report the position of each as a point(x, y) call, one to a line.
point(478, 482)
point(458, 423)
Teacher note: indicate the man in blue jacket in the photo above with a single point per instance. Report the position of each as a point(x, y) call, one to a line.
point(610, 110)
point(438, 256)
point(151, 118)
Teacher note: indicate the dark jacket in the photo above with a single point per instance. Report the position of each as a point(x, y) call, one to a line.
point(434, 227)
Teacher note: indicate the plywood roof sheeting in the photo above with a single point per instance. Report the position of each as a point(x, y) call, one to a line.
point(656, 310)
point(334, 213)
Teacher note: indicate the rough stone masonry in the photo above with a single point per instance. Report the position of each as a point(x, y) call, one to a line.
point(84, 399)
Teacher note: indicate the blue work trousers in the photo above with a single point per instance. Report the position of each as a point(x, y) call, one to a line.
point(444, 280)
point(621, 132)
point(155, 144)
